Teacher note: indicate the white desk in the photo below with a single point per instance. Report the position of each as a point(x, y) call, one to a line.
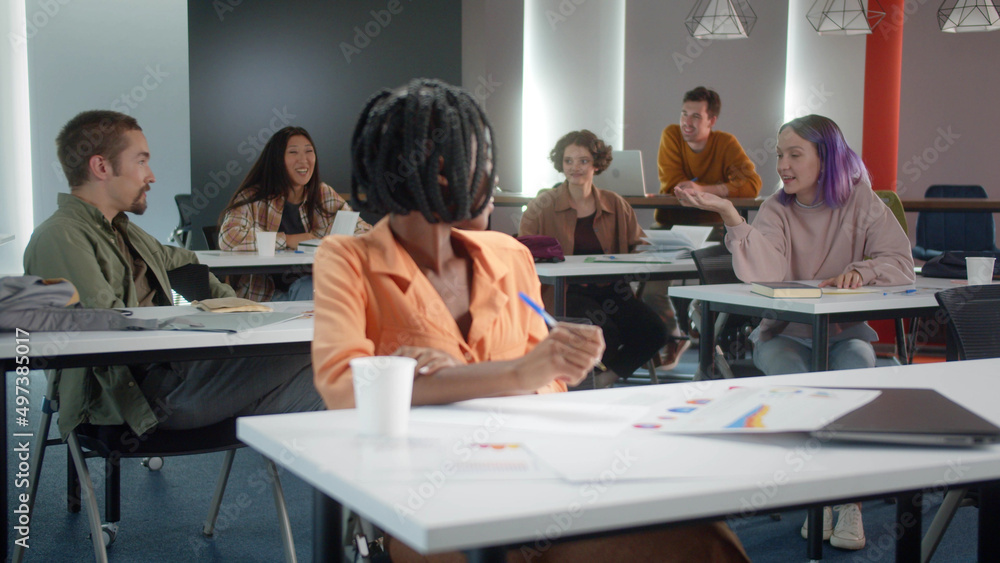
point(461, 514)
point(51, 350)
point(632, 267)
point(224, 263)
point(738, 299)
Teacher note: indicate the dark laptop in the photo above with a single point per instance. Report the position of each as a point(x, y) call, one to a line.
point(912, 416)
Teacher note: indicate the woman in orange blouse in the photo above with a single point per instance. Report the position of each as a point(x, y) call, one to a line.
point(281, 193)
point(416, 286)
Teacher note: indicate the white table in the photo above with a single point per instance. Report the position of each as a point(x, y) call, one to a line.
point(223, 263)
point(52, 350)
point(460, 514)
point(819, 313)
point(632, 267)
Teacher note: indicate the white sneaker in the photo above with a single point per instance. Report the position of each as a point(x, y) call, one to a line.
point(827, 524)
point(850, 531)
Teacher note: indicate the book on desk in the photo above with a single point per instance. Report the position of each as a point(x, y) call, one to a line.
point(786, 290)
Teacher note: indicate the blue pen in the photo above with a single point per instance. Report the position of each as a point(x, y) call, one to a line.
point(900, 292)
point(550, 321)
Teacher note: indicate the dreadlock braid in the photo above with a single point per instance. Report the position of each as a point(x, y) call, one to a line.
point(406, 138)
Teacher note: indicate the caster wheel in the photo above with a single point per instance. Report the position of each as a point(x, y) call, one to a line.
point(109, 532)
point(152, 463)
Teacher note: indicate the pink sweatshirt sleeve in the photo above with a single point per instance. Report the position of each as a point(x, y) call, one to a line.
point(888, 257)
point(760, 251)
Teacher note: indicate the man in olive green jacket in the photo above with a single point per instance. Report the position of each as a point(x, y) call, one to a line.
point(90, 241)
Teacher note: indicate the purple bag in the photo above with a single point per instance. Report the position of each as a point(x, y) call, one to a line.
point(543, 248)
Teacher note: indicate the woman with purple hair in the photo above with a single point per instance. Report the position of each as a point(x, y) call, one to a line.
point(825, 223)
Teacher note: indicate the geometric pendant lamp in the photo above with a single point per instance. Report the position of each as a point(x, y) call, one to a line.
point(845, 17)
point(957, 16)
point(721, 19)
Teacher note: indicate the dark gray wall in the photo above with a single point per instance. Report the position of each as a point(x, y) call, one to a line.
point(263, 65)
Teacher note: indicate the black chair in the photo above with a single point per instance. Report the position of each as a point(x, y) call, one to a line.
point(211, 233)
point(182, 233)
point(973, 312)
point(190, 282)
point(938, 231)
point(114, 442)
point(715, 266)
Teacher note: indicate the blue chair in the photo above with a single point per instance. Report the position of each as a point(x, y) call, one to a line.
point(938, 231)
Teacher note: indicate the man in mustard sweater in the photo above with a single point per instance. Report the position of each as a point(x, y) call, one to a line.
point(692, 155)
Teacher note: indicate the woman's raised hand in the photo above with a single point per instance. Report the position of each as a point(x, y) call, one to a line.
point(692, 197)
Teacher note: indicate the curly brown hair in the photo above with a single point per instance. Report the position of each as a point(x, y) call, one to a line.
point(586, 139)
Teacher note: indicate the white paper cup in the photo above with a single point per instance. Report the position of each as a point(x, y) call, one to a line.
point(266, 242)
point(980, 270)
point(383, 388)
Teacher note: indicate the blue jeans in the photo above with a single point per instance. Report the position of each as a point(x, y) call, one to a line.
point(781, 355)
point(300, 290)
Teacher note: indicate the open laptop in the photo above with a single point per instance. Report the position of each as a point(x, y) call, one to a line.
point(912, 416)
point(624, 176)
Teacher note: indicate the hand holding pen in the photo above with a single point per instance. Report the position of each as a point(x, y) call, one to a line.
point(580, 346)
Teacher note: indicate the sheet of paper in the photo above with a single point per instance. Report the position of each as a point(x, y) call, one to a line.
point(345, 222)
point(764, 410)
point(639, 455)
point(845, 291)
point(529, 414)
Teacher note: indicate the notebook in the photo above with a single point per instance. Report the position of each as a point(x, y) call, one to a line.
point(786, 290)
point(912, 416)
point(624, 175)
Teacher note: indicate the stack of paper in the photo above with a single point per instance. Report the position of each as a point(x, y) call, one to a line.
point(679, 240)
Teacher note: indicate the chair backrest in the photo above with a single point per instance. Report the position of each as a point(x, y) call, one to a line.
point(973, 315)
point(715, 265)
point(953, 230)
point(182, 233)
point(211, 236)
point(891, 199)
point(191, 282)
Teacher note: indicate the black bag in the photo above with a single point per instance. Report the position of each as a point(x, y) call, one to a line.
point(32, 304)
point(951, 264)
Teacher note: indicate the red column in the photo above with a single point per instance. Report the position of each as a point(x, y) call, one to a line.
point(880, 137)
point(883, 68)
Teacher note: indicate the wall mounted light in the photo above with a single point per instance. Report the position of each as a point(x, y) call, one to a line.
point(845, 17)
point(958, 16)
point(721, 19)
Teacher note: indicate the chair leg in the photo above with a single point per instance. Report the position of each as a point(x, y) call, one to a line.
point(935, 532)
point(112, 489)
point(220, 489)
point(901, 351)
point(88, 498)
point(34, 471)
point(287, 542)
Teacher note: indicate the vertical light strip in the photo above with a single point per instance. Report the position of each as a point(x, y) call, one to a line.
point(15, 162)
point(574, 78)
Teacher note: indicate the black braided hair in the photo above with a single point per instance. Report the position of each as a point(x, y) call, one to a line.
point(406, 137)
